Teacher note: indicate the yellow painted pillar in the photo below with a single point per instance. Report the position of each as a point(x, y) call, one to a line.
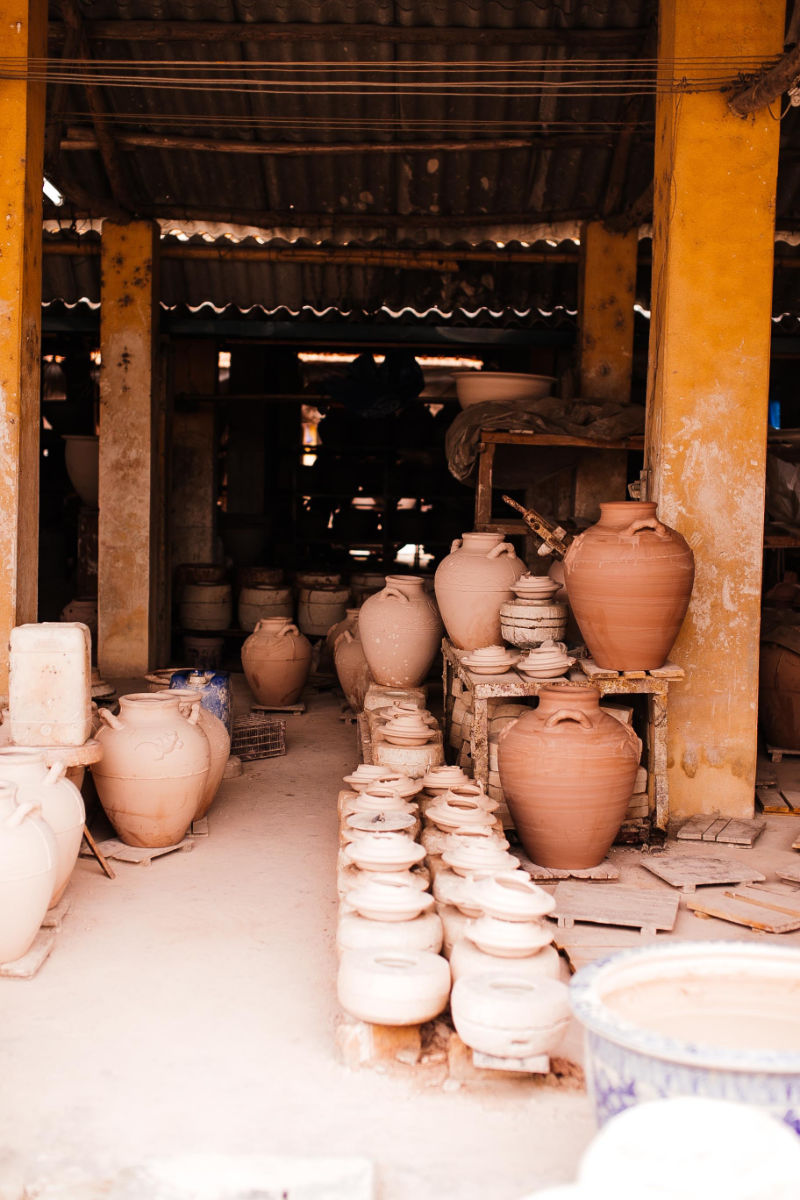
point(607, 291)
point(23, 32)
point(713, 248)
point(127, 555)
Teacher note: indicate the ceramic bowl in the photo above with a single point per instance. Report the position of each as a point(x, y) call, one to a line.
point(406, 737)
point(473, 387)
point(389, 898)
point(508, 939)
point(513, 896)
point(471, 854)
point(489, 666)
point(384, 852)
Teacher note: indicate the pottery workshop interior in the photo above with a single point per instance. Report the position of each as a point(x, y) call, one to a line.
point(400, 547)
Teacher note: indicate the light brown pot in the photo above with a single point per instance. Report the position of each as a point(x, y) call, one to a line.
point(567, 770)
point(779, 687)
point(153, 771)
point(349, 621)
point(629, 580)
point(318, 608)
point(400, 631)
point(27, 873)
point(276, 659)
point(472, 583)
point(352, 667)
point(219, 744)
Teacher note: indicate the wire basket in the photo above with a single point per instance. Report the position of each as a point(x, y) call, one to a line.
point(258, 737)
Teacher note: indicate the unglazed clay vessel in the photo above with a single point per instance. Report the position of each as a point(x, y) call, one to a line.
point(393, 987)
point(439, 779)
point(358, 825)
point(508, 939)
point(400, 631)
point(352, 667)
point(379, 799)
point(368, 776)
point(276, 659)
point(28, 858)
point(504, 1015)
point(422, 933)
point(471, 584)
point(384, 852)
point(629, 580)
point(59, 801)
point(407, 731)
point(206, 606)
point(567, 770)
point(389, 898)
point(471, 855)
point(453, 813)
point(153, 772)
point(263, 601)
point(489, 660)
point(466, 960)
point(512, 897)
point(318, 608)
point(546, 661)
point(536, 587)
point(219, 744)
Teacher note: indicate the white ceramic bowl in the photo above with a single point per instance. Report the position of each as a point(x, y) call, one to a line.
point(472, 387)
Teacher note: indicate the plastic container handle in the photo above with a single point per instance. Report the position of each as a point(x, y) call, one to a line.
point(456, 544)
point(288, 629)
point(19, 814)
point(503, 548)
point(110, 719)
point(393, 591)
point(646, 523)
point(55, 774)
point(568, 714)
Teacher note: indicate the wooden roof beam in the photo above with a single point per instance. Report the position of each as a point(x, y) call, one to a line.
point(771, 84)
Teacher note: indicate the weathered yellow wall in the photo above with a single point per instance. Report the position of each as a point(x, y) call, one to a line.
point(607, 294)
point(126, 551)
point(713, 251)
point(23, 31)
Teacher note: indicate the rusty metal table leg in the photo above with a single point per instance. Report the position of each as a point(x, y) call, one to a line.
point(479, 742)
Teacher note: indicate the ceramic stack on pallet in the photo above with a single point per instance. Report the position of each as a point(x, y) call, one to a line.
point(398, 732)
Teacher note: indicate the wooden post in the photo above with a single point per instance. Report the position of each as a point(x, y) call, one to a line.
point(713, 249)
point(22, 107)
point(127, 553)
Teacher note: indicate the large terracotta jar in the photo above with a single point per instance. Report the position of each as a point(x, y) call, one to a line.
point(472, 583)
point(218, 738)
point(27, 873)
point(276, 659)
point(567, 770)
point(352, 667)
point(779, 687)
point(629, 579)
point(401, 631)
point(154, 768)
point(60, 802)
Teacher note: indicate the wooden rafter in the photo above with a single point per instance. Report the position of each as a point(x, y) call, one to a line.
point(634, 112)
point(769, 86)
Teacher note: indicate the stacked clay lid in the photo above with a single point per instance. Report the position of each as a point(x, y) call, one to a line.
point(472, 791)
point(480, 850)
point(508, 939)
point(547, 661)
point(389, 898)
point(404, 708)
point(384, 852)
point(441, 779)
point(451, 812)
point(512, 896)
point(359, 824)
point(540, 588)
point(366, 777)
point(380, 799)
point(407, 730)
point(489, 660)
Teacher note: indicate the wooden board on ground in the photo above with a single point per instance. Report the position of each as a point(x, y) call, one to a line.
point(295, 709)
point(583, 944)
point(772, 800)
point(792, 798)
point(27, 966)
point(742, 912)
point(787, 903)
point(199, 828)
point(707, 827)
point(602, 874)
point(790, 874)
point(54, 917)
point(615, 904)
point(766, 775)
point(670, 670)
point(688, 871)
point(140, 855)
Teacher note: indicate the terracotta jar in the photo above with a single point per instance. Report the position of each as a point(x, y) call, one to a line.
point(471, 583)
point(276, 659)
point(352, 667)
point(400, 631)
point(348, 621)
point(59, 800)
point(779, 687)
point(261, 601)
point(567, 770)
point(154, 768)
point(219, 744)
point(27, 873)
point(629, 580)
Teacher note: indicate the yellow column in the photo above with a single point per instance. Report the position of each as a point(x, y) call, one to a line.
point(126, 551)
point(607, 294)
point(23, 31)
point(713, 247)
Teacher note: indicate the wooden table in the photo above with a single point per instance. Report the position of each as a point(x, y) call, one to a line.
point(515, 685)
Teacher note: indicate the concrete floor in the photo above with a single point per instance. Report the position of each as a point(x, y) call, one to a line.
point(190, 1006)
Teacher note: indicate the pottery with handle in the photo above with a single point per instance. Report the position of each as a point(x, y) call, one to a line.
point(276, 659)
point(471, 583)
point(400, 630)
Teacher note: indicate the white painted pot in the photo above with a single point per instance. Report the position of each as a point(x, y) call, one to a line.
point(422, 933)
point(393, 988)
point(467, 959)
point(508, 1016)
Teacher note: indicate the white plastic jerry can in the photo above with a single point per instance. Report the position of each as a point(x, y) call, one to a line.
point(50, 684)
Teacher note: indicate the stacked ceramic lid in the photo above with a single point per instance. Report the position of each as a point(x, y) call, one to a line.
point(547, 661)
point(490, 660)
point(404, 736)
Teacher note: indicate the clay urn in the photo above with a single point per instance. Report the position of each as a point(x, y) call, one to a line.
point(28, 858)
point(629, 580)
point(352, 668)
point(472, 582)
point(567, 770)
point(219, 744)
point(154, 768)
point(400, 632)
point(276, 659)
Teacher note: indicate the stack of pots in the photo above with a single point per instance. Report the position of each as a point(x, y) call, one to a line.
point(400, 631)
point(276, 659)
point(259, 601)
point(472, 583)
point(320, 607)
point(205, 606)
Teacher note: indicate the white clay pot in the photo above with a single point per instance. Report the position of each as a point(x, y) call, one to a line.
point(206, 606)
point(219, 744)
point(504, 1015)
point(422, 933)
point(28, 871)
point(60, 802)
point(508, 939)
point(388, 987)
point(467, 959)
point(413, 761)
point(384, 852)
point(512, 897)
point(389, 898)
point(261, 602)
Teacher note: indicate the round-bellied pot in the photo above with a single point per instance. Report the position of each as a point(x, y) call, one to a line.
point(472, 583)
point(393, 987)
point(219, 744)
point(59, 800)
point(400, 631)
point(154, 768)
point(28, 858)
point(352, 667)
point(276, 659)
point(567, 770)
point(629, 580)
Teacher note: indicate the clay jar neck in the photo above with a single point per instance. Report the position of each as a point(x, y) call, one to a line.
point(617, 515)
point(271, 626)
point(8, 802)
point(480, 543)
point(22, 763)
point(409, 585)
point(149, 708)
point(567, 699)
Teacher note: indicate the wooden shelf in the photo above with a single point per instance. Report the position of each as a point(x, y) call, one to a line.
point(496, 437)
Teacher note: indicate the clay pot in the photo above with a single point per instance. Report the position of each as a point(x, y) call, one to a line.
point(318, 608)
point(28, 858)
point(352, 667)
point(388, 987)
point(276, 659)
point(206, 606)
point(349, 621)
point(253, 577)
point(779, 688)
point(629, 580)
point(261, 601)
point(389, 898)
point(154, 768)
point(471, 583)
point(423, 933)
point(82, 460)
point(510, 1017)
point(219, 744)
point(466, 961)
point(400, 631)
point(567, 770)
point(59, 801)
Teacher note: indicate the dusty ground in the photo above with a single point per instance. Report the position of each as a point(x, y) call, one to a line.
point(190, 1006)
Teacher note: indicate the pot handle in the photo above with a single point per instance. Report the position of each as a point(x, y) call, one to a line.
point(19, 814)
point(110, 719)
point(288, 629)
point(393, 591)
point(344, 636)
point(456, 544)
point(503, 548)
point(568, 714)
point(653, 523)
point(194, 715)
point(55, 774)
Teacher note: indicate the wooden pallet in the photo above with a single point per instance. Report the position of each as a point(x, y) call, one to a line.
point(739, 909)
point(31, 963)
point(141, 856)
point(689, 871)
point(644, 909)
point(712, 828)
point(669, 670)
point(774, 799)
point(605, 873)
point(776, 753)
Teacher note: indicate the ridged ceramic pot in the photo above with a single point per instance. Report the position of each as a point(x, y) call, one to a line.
point(276, 659)
point(60, 802)
point(472, 583)
point(400, 631)
point(567, 770)
point(154, 768)
point(629, 580)
point(219, 744)
point(27, 873)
